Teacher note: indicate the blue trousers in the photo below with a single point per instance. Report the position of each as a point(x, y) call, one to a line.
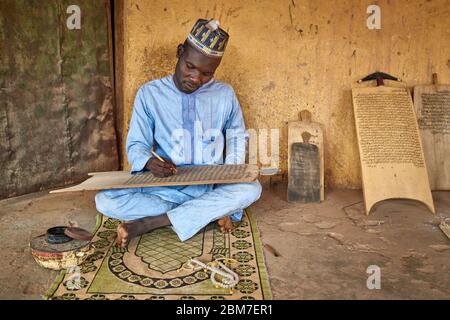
point(189, 209)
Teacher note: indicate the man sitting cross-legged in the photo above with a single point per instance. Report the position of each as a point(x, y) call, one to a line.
point(186, 118)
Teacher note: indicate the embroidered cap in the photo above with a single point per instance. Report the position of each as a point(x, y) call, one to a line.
point(208, 37)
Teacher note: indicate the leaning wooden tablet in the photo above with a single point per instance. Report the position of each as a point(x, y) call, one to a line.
point(432, 104)
point(392, 160)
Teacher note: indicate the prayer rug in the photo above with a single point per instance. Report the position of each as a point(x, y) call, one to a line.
point(151, 267)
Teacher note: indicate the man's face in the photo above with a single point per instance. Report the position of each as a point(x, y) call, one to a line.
point(193, 69)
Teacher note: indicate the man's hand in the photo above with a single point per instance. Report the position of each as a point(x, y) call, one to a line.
point(161, 169)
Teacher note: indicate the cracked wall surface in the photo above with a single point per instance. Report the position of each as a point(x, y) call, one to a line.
point(56, 98)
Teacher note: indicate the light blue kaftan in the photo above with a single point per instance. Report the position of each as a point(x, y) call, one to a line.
point(189, 129)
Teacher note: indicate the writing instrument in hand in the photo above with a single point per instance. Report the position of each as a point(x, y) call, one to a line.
point(173, 169)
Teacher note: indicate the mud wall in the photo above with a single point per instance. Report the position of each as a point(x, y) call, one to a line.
point(289, 55)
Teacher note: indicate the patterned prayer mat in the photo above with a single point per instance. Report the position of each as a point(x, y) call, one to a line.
point(151, 266)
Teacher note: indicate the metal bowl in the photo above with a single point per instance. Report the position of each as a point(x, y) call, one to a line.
point(56, 235)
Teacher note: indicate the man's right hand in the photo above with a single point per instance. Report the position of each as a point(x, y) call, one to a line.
point(159, 168)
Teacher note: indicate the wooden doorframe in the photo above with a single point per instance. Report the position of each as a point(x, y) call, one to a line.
point(116, 29)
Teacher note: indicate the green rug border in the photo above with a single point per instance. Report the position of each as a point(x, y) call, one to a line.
point(260, 259)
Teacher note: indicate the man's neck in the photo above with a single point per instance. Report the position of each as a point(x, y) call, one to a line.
point(175, 81)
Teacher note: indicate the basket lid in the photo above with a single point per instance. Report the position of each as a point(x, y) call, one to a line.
point(40, 243)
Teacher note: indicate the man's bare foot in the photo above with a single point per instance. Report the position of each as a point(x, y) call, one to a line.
point(128, 230)
point(225, 224)
point(122, 235)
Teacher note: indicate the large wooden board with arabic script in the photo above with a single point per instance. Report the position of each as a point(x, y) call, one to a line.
point(187, 175)
point(392, 160)
point(305, 160)
point(432, 104)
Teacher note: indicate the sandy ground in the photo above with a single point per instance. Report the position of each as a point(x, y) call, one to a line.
point(324, 249)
